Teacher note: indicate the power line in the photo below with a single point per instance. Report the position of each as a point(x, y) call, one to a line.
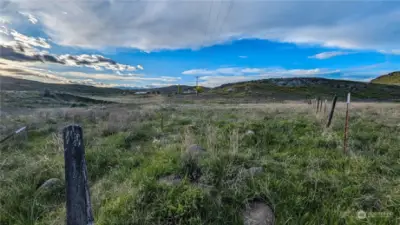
point(226, 16)
point(208, 21)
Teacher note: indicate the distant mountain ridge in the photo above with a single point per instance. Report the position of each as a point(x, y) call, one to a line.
point(390, 78)
point(267, 89)
point(304, 88)
point(16, 84)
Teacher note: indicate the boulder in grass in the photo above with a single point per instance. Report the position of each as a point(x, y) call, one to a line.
point(190, 162)
point(254, 171)
point(50, 184)
point(170, 180)
point(195, 150)
point(249, 132)
point(258, 213)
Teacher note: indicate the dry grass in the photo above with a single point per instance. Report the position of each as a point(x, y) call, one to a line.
point(306, 177)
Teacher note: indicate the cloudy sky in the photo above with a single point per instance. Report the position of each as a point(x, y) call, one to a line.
point(141, 43)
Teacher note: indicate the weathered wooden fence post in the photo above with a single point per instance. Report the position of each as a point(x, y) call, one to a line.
point(318, 102)
point(346, 126)
point(79, 210)
point(320, 105)
point(325, 103)
point(332, 111)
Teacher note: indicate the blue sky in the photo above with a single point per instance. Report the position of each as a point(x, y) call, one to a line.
point(112, 43)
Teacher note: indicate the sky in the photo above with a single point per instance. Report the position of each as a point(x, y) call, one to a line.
point(137, 43)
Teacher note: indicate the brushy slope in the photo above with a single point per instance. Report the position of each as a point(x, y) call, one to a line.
point(303, 88)
point(306, 178)
point(15, 84)
point(391, 78)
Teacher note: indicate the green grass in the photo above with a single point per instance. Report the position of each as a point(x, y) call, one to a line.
point(307, 88)
point(306, 177)
point(391, 78)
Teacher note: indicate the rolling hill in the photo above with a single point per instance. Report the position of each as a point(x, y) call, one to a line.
point(15, 84)
point(304, 88)
point(267, 89)
point(391, 78)
point(170, 89)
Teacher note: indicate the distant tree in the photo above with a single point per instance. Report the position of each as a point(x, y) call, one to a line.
point(179, 89)
point(158, 92)
point(199, 89)
point(46, 93)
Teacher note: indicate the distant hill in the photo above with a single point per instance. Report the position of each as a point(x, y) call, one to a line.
point(171, 89)
point(391, 78)
point(265, 90)
point(15, 84)
point(304, 88)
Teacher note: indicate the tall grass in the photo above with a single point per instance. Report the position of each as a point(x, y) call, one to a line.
point(305, 176)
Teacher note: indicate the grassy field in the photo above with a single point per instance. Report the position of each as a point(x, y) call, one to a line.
point(391, 78)
point(131, 149)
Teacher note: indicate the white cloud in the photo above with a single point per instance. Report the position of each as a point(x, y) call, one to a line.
point(140, 67)
point(393, 52)
point(224, 70)
point(17, 52)
point(236, 71)
point(252, 70)
point(23, 71)
point(16, 46)
point(29, 41)
point(327, 55)
point(97, 62)
point(30, 17)
point(151, 25)
point(19, 71)
point(198, 72)
point(214, 78)
point(4, 30)
point(104, 76)
point(4, 20)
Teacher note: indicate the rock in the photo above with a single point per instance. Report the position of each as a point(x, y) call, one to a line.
point(50, 183)
point(258, 213)
point(253, 171)
point(195, 149)
point(170, 180)
point(156, 141)
point(250, 132)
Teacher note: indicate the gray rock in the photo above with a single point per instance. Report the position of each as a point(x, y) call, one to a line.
point(258, 213)
point(253, 171)
point(250, 132)
point(50, 183)
point(195, 149)
point(170, 180)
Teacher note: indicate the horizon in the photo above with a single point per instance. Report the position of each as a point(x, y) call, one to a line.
point(150, 44)
point(188, 85)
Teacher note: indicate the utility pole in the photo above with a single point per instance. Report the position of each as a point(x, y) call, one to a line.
point(197, 85)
